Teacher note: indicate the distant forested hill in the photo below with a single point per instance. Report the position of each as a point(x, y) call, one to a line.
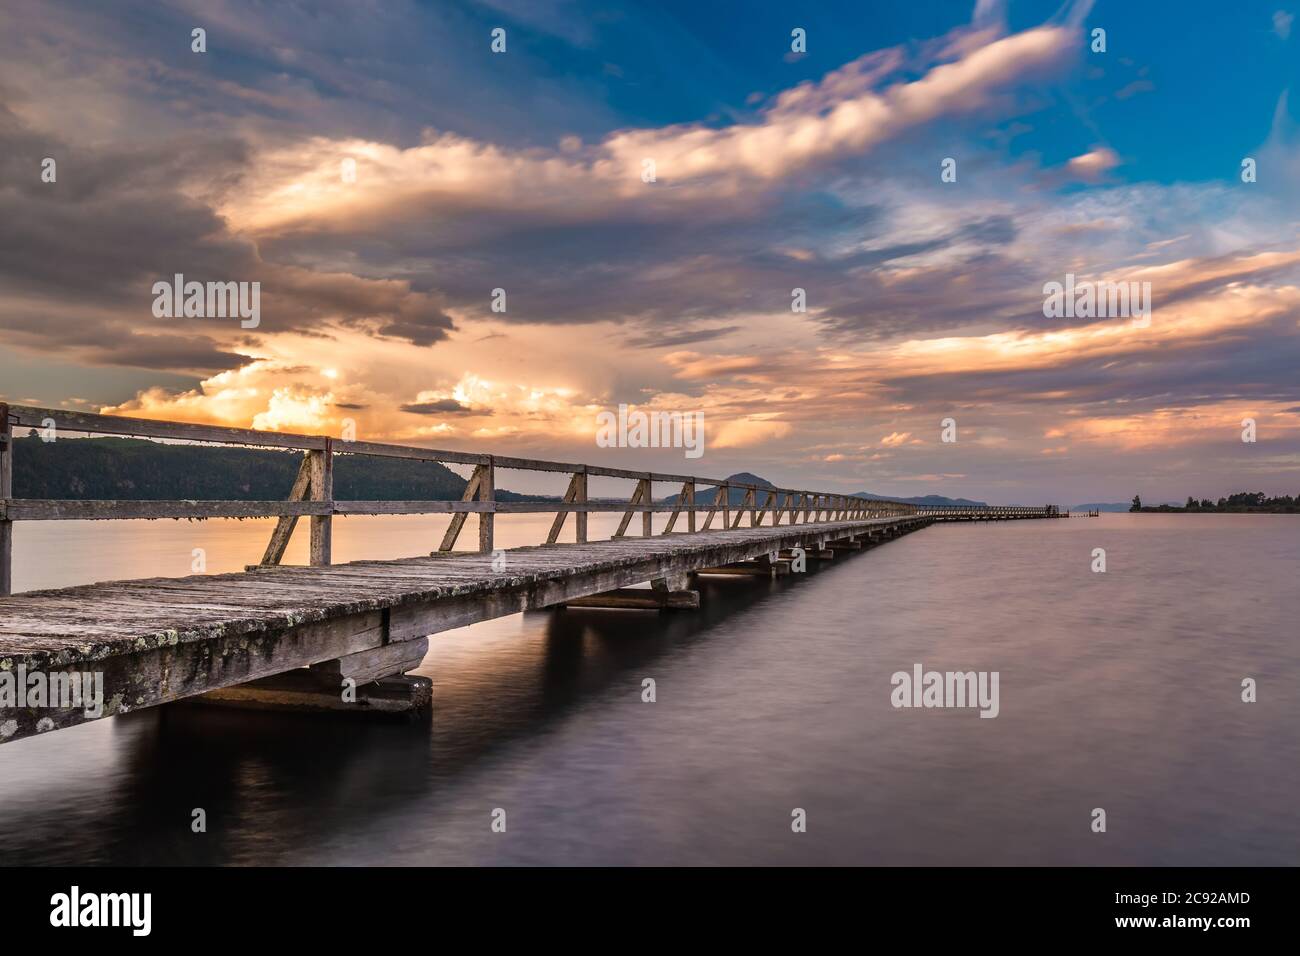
point(704, 498)
point(136, 469)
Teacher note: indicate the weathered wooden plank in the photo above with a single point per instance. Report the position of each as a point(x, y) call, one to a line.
point(172, 671)
point(415, 453)
point(69, 620)
point(50, 509)
point(30, 416)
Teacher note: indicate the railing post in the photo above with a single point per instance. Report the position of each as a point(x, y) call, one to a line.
point(725, 491)
point(487, 491)
point(580, 497)
point(322, 489)
point(6, 493)
point(690, 506)
point(647, 517)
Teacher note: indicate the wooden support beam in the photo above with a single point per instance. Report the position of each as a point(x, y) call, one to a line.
point(638, 497)
point(689, 488)
point(300, 691)
point(746, 503)
point(638, 599)
point(389, 660)
point(558, 523)
point(458, 519)
point(6, 492)
point(685, 499)
point(719, 493)
point(817, 554)
point(774, 562)
point(284, 526)
point(322, 489)
point(759, 568)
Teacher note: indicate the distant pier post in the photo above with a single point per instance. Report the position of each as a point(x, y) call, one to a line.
point(6, 493)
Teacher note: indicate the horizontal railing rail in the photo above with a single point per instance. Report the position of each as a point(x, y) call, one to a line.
point(1028, 510)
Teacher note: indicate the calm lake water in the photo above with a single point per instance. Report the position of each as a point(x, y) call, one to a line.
point(1119, 690)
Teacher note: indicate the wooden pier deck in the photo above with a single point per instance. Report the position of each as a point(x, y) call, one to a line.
point(165, 639)
point(317, 628)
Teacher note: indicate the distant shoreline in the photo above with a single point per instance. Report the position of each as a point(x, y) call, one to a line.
point(1178, 509)
point(1240, 503)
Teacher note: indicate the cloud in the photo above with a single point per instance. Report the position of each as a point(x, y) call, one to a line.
point(1092, 164)
point(850, 111)
point(441, 406)
point(1282, 24)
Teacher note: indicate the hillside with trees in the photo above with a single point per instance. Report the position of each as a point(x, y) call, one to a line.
point(136, 469)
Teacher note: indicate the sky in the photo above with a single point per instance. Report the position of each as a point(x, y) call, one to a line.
point(921, 171)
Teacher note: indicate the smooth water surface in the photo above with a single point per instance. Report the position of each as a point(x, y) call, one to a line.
point(1119, 690)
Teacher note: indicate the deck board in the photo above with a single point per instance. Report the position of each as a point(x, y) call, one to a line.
point(91, 622)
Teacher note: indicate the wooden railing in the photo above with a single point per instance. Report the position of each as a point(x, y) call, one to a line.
point(1009, 511)
point(312, 493)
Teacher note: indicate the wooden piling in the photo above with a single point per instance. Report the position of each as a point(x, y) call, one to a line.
point(6, 493)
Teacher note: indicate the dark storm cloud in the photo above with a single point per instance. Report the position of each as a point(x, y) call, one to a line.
point(445, 406)
point(116, 220)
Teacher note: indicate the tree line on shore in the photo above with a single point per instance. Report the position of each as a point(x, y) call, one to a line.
point(1243, 502)
point(136, 469)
